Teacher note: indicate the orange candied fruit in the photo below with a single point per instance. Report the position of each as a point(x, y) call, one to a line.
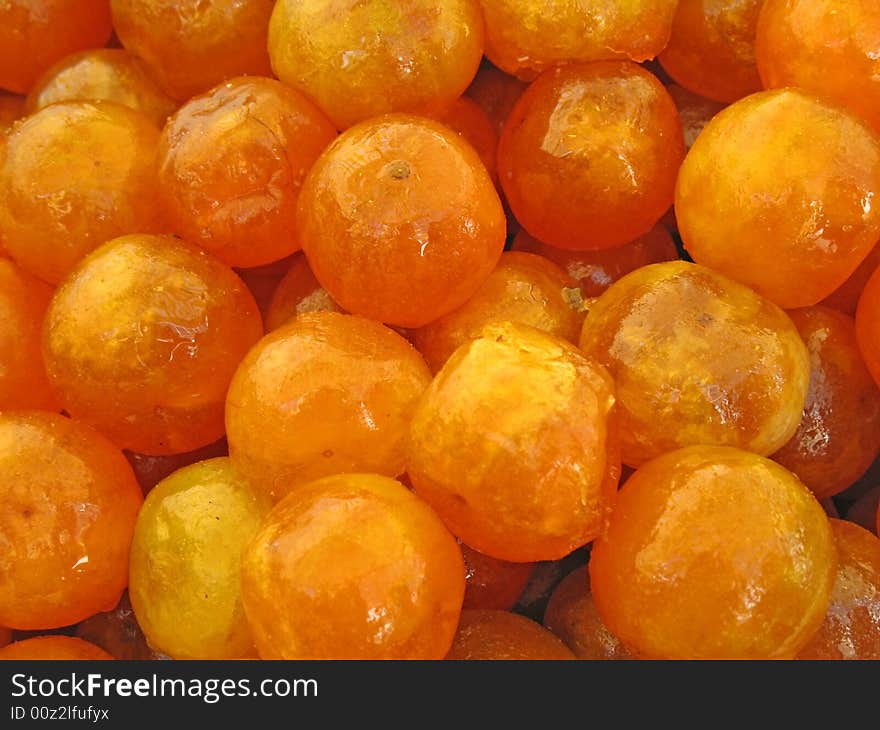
point(297, 293)
point(523, 288)
point(11, 110)
point(118, 633)
point(142, 339)
point(353, 566)
point(778, 193)
point(868, 325)
point(400, 221)
point(846, 297)
point(337, 391)
point(712, 48)
point(193, 45)
point(470, 122)
point(525, 37)
point(23, 303)
point(694, 111)
point(697, 359)
point(851, 629)
point(514, 445)
point(484, 634)
point(826, 47)
point(495, 92)
point(589, 155)
point(492, 583)
point(595, 270)
point(34, 34)
point(839, 434)
point(231, 165)
point(108, 74)
point(69, 501)
point(572, 616)
point(52, 648)
point(73, 176)
point(714, 553)
point(361, 58)
point(5, 636)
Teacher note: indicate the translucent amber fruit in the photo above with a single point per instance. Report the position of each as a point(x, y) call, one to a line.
point(73, 176)
point(778, 193)
point(231, 165)
point(865, 510)
point(495, 92)
point(297, 293)
point(353, 566)
point(851, 629)
point(839, 434)
point(694, 111)
point(492, 583)
point(525, 37)
point(824, 46)
point(362, 58)
point(150, 470)
point(192, 45)
point(41, 648)
point(142, 339)
point(499, 635)
point(5, 636)
point(523, 288)
point(846, 297)
point(34, 34)
point(714, 553)
point(514, 446)
point(11, 109)
point(23, 302)
point(69, 501)
point(336, 392)
point(262, 281)
point(108, 74)
point(712, 48)
point(400, 220)
point(589, 155)
point(470, 122)
point(572, 616)
point(697, 359)
point(594, 271)
point(118, 633)
point(186, 560)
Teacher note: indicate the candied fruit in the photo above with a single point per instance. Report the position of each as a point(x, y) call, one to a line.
point(484, 634)
point(297, 293)
point(150, 470)
point(470, 122)
point(142, 339)
point(492, 583)
point(353, 566)
point(697, 359)
point(186, 559)
point(514, 445)
point(846, 297)
point(714, 553)
point(42, 648)
point(589, 155)
point(778, 193)
point(336, 392)
point(868, 325)
point(11, 110)
point(400, 221)
point(118, 633)
point(495, 92)
point(231, 165)
point(68, 502)
point(694, 111)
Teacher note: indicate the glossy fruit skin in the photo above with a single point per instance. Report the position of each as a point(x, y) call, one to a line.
point(851, 629)
point(336, 391)
point(11, 109)
point(73, 176)
point(23, 303)
point(839, 434)
point(498, 635)
point(231, 164)
point(868, 325)
point(353, 566)
point(142, 340)
point(846, 297)
point(589, 155)
point(69, 504)
point(34, 34)
point(400, 221)
point(118, 633)
point(572, 616)
point(825, 47)
point(495, 92)
point(594, 271)
point(361, 58)
point(697, 359)
point(192, 45)
point(526, 37)
point(297, 293)
point(43, 648)
point(186, 561)
point(714, 553)
point(514, 445)
point(694, 111)
point(492, 583)
point(470, 122)
point(523, 288)
point(777, 193)
point(712, 48)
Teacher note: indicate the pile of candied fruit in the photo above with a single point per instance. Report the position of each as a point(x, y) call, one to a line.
point(425, 329)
